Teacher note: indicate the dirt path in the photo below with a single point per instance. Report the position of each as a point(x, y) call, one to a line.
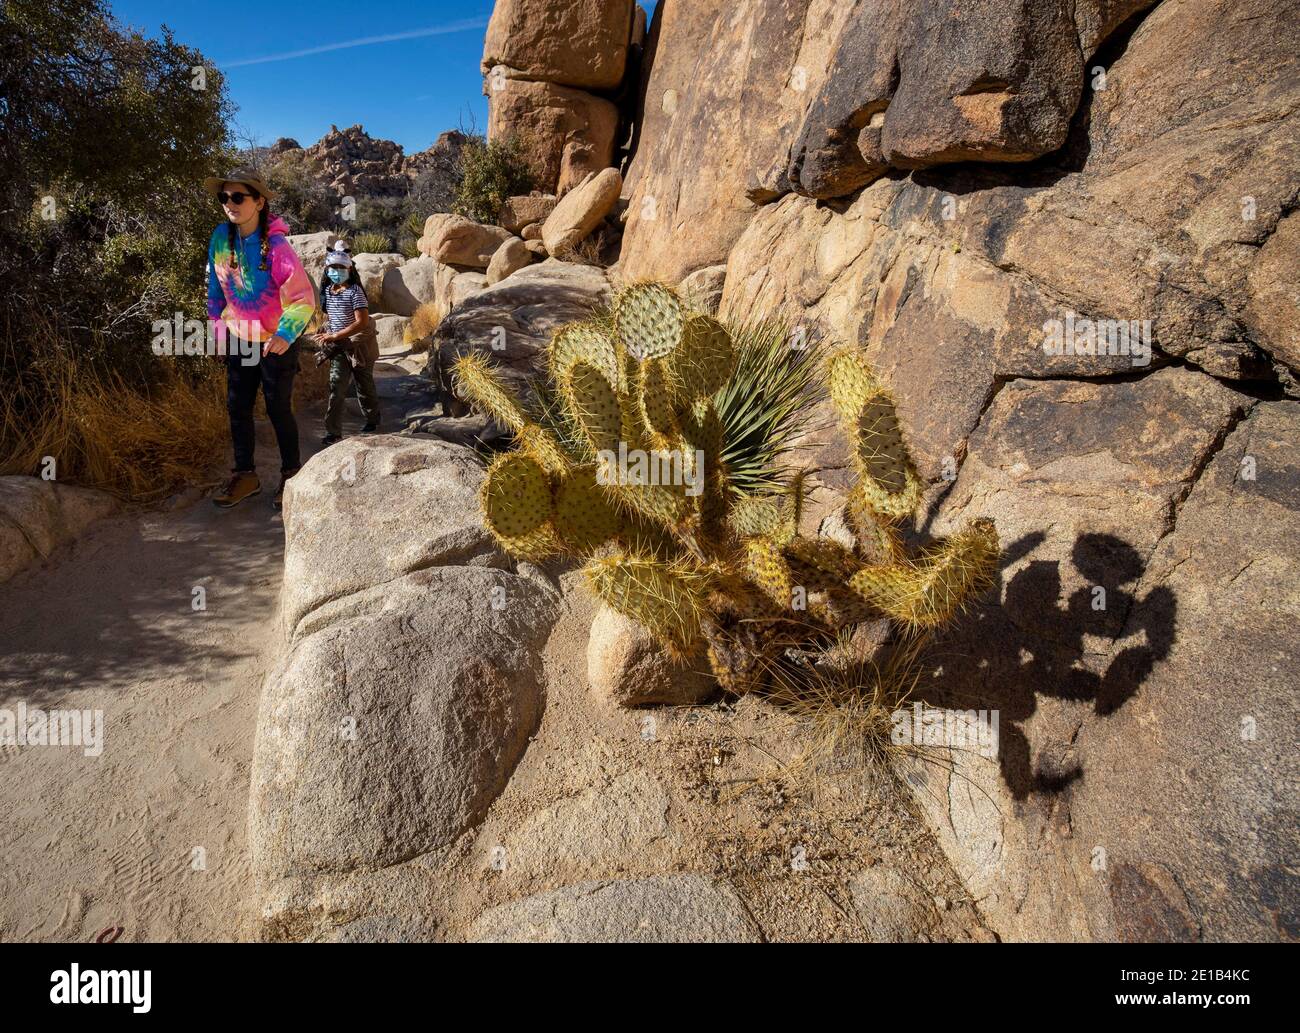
point(149, 835)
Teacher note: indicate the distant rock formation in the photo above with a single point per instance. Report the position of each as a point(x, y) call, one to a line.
point(352, 162)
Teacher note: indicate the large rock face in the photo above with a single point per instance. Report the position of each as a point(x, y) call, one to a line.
point(563, 133)
point(726, 87)
point(572, 42)
point(1113, 458)
point(411, 677)
point(934, 82)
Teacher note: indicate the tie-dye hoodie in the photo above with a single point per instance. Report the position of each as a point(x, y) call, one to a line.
point(252, 303)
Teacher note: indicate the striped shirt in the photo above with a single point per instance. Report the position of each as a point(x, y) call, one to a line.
point(339, 308)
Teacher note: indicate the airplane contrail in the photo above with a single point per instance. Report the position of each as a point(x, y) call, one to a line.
point(438, 30)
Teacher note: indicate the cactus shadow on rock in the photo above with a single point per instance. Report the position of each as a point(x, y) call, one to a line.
point(1034, 646)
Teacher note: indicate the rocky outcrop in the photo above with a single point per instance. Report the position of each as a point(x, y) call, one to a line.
point(37, 516)
point(416, 282)
point(352, 163)
point(563, 133)
point(526, 210)
point(390, 330)
point(722, 97)
point(509, 258)
point(311, 249)
point(411, 677)
point(703, 288)
point(456, 240)
point(931, 83)
point(374, 270)
point(555, 73)
point(628, 667)
point(512, 321)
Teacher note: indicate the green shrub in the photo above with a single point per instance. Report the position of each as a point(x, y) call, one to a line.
point(301, 198)
point(105, 138)
point(491, 172)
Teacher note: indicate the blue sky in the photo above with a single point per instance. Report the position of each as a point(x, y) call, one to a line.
point(408, 89)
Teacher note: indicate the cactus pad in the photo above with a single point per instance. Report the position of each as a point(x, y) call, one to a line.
point(649, 318)
point(667, 599)
point(516, 501)
point(583, 342)
point(584, 517)
point(592, 400)
point(934, 589)
point(704, 362)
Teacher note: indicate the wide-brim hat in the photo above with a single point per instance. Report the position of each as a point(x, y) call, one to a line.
point(245, 174)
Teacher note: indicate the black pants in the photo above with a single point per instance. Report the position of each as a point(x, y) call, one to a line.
point(274, 374)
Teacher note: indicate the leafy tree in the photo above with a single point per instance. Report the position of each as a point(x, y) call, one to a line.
point(105, 137)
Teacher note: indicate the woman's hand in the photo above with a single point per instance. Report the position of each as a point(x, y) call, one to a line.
point(277, 345)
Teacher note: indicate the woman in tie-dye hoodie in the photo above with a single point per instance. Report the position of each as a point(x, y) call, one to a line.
point(259, 301)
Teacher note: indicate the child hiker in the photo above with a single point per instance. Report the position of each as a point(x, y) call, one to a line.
point(350, 345)
point(260, 300)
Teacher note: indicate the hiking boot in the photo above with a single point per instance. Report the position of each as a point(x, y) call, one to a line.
point(330, 439)
point(370, 428)
point(278, 500)
point(240, 486)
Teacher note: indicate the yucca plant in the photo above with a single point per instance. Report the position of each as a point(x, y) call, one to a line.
point(630, 474)
point(370, 243)
point(764, 403)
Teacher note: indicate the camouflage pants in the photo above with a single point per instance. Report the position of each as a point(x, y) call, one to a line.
point(341, 376)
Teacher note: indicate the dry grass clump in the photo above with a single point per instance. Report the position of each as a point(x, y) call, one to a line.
point(140, 444)
point(419, 331)
point(845, 702)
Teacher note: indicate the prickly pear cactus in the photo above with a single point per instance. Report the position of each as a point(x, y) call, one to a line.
point(639, 492)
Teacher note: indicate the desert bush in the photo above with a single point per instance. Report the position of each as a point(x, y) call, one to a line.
point(301, 198)
point(408, 241)
point(689, 557)
point(490, 173)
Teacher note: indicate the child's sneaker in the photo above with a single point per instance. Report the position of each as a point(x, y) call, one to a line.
point(330, 439)
point(240, 486)
point(370, 428)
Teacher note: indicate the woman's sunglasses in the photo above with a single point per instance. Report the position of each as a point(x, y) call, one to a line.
point(235, 197)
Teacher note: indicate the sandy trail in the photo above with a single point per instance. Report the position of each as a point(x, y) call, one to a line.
point(150, 834)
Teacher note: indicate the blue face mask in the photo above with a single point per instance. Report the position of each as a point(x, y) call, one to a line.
point(336, 274)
